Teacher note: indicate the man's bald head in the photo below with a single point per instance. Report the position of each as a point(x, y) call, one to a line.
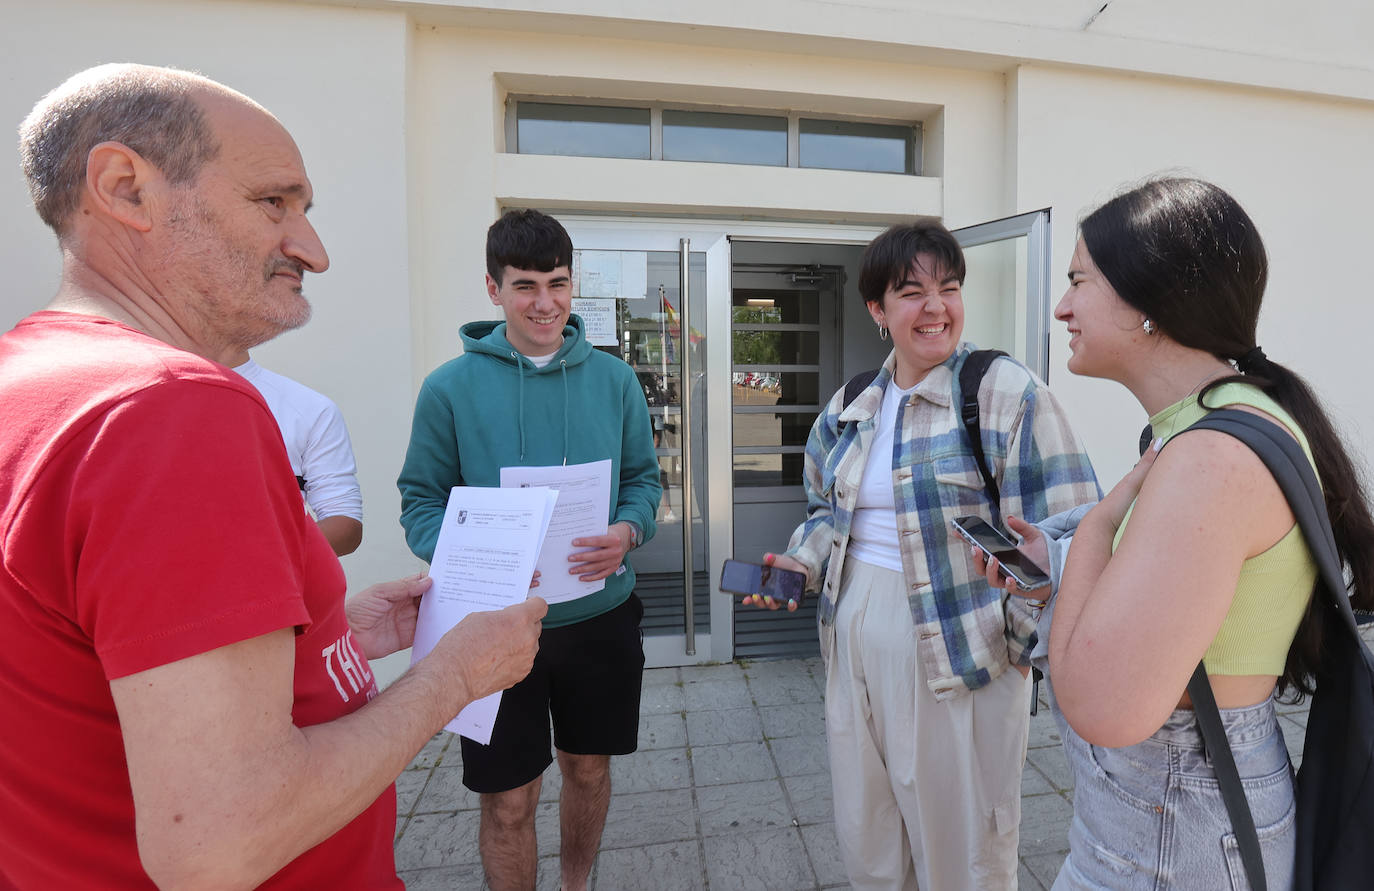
point(157, 112)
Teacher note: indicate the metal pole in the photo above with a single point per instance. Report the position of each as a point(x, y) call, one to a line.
point(685, 400)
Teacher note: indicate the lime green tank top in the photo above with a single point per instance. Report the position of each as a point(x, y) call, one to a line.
point(1275, 586)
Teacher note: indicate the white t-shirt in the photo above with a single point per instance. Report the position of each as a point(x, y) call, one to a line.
point(873, 534)
point(316, 441)
point(541, 361)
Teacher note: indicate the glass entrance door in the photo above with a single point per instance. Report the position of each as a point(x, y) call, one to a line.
point(799, 331)
point(785, 345)
point(643, 297)
point(735, 363)
point(1007, 287)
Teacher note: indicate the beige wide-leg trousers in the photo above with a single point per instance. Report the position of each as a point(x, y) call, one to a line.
point(927, 794)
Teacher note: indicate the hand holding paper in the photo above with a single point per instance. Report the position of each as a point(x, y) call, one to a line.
point(494, 649)
point(484, 560)
point(383, 616)
point(584, 503)
point(606, 553)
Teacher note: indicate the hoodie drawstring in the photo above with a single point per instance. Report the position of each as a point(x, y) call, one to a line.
point(567, 409)
point(520, 405)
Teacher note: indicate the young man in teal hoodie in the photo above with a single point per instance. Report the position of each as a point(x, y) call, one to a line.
point(531, 391)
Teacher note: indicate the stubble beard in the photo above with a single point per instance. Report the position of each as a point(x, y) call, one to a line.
point(243, 305)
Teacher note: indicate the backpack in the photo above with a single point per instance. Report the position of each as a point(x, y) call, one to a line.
point(1335, 785)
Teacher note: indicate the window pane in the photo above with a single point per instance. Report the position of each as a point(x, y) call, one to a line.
point(994, 294)
point(847, 145)
point(590, 131)
point(772, 430)
point(753, 471)
point(729, 138)
point(776, 347)
point(761, 306)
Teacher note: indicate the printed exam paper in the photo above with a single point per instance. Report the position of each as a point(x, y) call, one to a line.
point(584, 503)
point(484, 560)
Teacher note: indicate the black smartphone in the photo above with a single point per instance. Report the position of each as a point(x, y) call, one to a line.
point(738, 577)
point(978, 532)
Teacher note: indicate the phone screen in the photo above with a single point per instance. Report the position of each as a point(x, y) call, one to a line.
point(992, 541)
point(1019, 566)
point(739, 577)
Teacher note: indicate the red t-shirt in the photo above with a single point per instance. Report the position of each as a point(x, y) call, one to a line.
point(147, 513)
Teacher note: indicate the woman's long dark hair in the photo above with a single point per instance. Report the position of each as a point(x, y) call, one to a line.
point(1185, 253)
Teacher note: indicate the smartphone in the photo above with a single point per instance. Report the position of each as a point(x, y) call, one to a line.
point(992, 541)
point(738, 577)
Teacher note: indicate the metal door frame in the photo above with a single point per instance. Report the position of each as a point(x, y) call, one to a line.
point(1035, 226)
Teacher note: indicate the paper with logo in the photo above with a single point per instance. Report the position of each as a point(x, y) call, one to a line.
point(584, 503)
point(484, 560)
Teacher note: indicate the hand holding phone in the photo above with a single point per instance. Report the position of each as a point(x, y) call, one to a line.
point(763, 583)
point(1014, 564)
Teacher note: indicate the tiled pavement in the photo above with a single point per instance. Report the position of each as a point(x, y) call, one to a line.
point(730, 789)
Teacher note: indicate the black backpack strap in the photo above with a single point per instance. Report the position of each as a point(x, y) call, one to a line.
point(1288, 463)
point(1228, 777)
point(857, 384)
point(970, 378)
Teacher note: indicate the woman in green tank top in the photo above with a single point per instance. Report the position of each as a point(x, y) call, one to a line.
point(1193, 556)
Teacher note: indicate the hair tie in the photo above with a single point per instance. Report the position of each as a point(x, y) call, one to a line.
point(1249, 363)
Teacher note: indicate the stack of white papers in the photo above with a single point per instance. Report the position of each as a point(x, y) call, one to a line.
point(489, 546)
point(584, 496)
point(484, 560)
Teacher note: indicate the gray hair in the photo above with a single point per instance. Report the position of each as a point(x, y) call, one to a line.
point(153, 111)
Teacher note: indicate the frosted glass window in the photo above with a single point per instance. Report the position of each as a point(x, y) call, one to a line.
point(724, 137)
point(848, 145)
point(589, 131)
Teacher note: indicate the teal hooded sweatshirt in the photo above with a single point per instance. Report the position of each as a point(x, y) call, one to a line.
point(491, 408)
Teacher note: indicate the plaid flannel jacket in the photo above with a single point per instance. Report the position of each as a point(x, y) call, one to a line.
point(966, 632)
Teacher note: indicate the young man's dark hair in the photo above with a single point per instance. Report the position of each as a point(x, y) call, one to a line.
point(527, 239)
point(888, 258)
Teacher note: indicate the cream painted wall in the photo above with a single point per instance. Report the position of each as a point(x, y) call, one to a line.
point(348, 119)
point(1300, 167)
point(1319, 46)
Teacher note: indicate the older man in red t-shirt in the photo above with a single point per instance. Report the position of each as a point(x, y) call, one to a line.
point(185, 694)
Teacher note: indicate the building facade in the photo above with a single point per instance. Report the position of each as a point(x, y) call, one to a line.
point(720, 165)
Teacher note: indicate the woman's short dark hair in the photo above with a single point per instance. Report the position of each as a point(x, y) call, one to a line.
point(527, 239)
point(1184, 253)
point(888, 258)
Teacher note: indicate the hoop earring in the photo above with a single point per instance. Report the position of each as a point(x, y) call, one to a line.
point(882, 332)
point(1149, 327)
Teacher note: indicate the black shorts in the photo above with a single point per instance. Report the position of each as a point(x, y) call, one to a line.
point(587, 675)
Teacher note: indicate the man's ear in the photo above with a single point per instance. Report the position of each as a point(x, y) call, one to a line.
point(117, 180)
point(493, 290)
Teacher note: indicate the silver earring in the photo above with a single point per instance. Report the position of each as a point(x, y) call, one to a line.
point(1149, 326)
point(882, 332)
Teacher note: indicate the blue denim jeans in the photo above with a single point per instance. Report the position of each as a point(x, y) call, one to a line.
point(1151, 816)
